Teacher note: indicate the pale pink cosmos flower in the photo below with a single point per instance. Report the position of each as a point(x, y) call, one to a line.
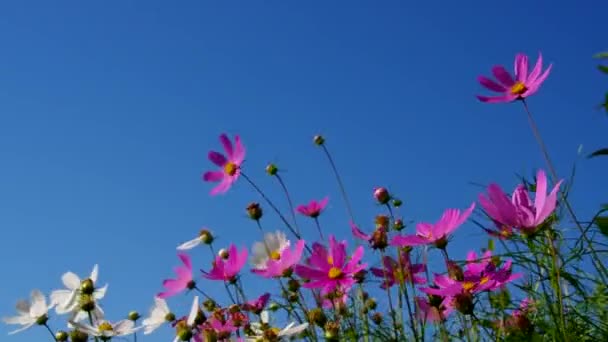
point(520, 212)
point(525, 83)
point(402, 272)
point(183, 280)
point(313, 208)
point(428, 311)
point(331, 269)
point(230, 164)
point(227, 269)
point(281, 262)
point(427, 233)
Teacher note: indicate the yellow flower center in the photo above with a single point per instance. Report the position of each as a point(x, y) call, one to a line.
point(334, 273)
point(275, 330)
point(518, 88)
point(105, 326)
point(275, 255)
point(330, 260)
point(230, 168)
point(468, 285)
point(484, 280)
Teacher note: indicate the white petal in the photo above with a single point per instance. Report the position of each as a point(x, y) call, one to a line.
point(161, 304)
point(64, 299)
point(85, 328)
point(94, 273)
point(264, 316)
point(71, 280)
point(23, 307)
point(27, 326)
point(20, 319)
point(193, 312)
point(189, 244)
point(99, 293)
point(38, 304)
point(149, 327)
point(293, 331)
point(124, 327)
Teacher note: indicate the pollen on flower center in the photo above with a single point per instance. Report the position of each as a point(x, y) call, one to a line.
point(105, 326)
point(484, 280)
point(274, 255)
point(468, 285)
point(230, 168)
point(518, 88)
point(334, 273)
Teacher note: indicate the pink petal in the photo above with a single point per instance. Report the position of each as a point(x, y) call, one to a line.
point(424, 229)
point(503, 76)
point(227, 145)
point(217, 158)
point(309, 273)
point(213, 176)
point(222, 187)
point(521, 67)
point(536, 83)
point(186, 260)
point(323, 203)
point(497, 99)
point(507, 213)
point(354, 260)
point(550, 204)
point(338, 252)
point(358, 233)
point(537, 68)
point(239, 151)
point(488, 83)
point(410, 240)
point(303, 210)
point(541, 190)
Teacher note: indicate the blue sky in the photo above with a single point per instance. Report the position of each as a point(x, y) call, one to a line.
point(108, 109)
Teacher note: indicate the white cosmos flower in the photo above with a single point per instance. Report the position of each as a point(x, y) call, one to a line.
point(67, 300)
point(30, 313)
point(204, 236)
point(194, 310)
point(159, 314)
point(270, 248)
point(105, 328)
point(282, 335)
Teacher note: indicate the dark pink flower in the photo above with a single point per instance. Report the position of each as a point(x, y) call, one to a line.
point(329, 269)
point(227, 269)
point(395, 272)
point(432, 310)
point(427, 233)
point(231, 165)
point(524, 84)
point(257, 306)
point(314, 208)
point(520, 212)
point(377, 240)
point(279, 263)
point(183, 280)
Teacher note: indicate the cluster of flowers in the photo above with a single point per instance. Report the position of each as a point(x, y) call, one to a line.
point(322, 286)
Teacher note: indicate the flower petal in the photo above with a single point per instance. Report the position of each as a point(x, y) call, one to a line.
point(189, 244)
point(217, 158)
point(227, 145)
point(213, 176)
point(71, 280)
point(497, 99)
point(521, 67)
point(488, 83)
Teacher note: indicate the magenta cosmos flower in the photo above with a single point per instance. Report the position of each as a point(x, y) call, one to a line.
point(329, 269)
point(182, 282)
point(427, 233)
point(432, 309)
point(520, 212)
point(524, 84)
point(230, 164)
point(227, 269)
point(313, 209)
point(395, 272)
point(280, 263)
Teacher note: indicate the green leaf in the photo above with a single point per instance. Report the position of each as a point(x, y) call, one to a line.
point(602, 224)
point(600, 152)
point(601, 55)
point(603, 68)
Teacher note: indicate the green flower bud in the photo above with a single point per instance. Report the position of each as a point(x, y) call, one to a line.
point(61, 336)
point(318, 140)
point(272, 169)
point(134, 316)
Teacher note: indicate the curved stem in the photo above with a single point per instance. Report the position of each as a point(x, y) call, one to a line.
point(340, 184)
point(50, 331)
point(319, 228)
point(289, 201)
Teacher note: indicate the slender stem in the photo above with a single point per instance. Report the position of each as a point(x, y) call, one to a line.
point(201, 292)
point(340, 184)
point(135, 337)
point(558, 285)
point(289, 201)
point(319, 228)
point(271, 204)
point(92, 324)
point(596, 260)
point(50, 331)
point(389, 296)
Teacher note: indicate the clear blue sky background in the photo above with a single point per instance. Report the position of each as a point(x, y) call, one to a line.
point(108, 109)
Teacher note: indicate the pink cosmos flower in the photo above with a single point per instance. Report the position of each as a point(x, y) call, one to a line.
point(524, 84)
point(280, 263)
point(502, 231)
point(429, 311)
point(520, 212)
point(437, 233)
point(329, 269)
point(182, 282)
point(396, 273)
point(378, 239)
point(227, 269)
point(231, 165)
point(257, 306)
point(314, 208)
point(220, 323)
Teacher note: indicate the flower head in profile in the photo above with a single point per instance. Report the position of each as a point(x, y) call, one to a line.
point(395, 272)
point(226, 269)
point(520, 212)
point(67, 300)
point(264, 331)
point(159, 315)
point(437, 233)
point(273, 257)
point(331, 269)
point(230, 164)
point(105, 329)
point(523, 85)
point(314, 208)
point(432, 309)
point(204, 237)
point(257, 306)
point(30, 313)
point(183, 280)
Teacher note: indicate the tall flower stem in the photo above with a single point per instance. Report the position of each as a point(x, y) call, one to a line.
point(92, 324)
point(389, 296)
point(558, 285)
point(50, 331)
point(289, 201)
point(596, 260)
point(319, 228)
point(340, 184)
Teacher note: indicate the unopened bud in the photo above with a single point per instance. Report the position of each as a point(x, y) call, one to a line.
point(293, 285)
point(377, 318)
point(223, 253)
point(398, 225)
point(382, 221)
point(318, 140)
point(209, 305)
point(272, 169)
point(274, 306)
point(381, 195)
point(87, 286)
point(170, 317)
point(371, 304)
point(206, 236)
point(42, 319)
point(379, 239)
point(454, 271)
point(360, 276)
point(78, 336)
point(134, 316)
point(332, 331)
point(254, 211)
point(317, 316)
point(87, 302)
point(61, 336)
point(397, 202)
point(184, 334)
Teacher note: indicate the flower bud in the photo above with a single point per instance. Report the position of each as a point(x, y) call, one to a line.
point(254, 211)
point(223, 253)
point(61, 336)
point(274, 306)
point(170, 317)
point(293, 285)
point(86, 302)
point(78, 336)
point(134, 316)
point(371, 304)
point(234, 308)
point(381, 195)
point(317, 316)
point(293, 297)
point(379, 239)
point(87, 286)
point(397, 202)
point(271, 169)
point(360, 276)
point(377, 318)
point(42, 319)
point(206, 236)
point(398, 225)
point(318, 140)
point(184, 334)
point(209, 305)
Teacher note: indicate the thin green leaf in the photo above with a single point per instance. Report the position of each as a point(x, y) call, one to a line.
point(601, 55)
point(600, 152)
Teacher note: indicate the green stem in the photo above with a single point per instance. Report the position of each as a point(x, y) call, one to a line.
point(50, 331)
point(319, 228)
point(340, 184)
point(92, 324)
point(289, 201)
